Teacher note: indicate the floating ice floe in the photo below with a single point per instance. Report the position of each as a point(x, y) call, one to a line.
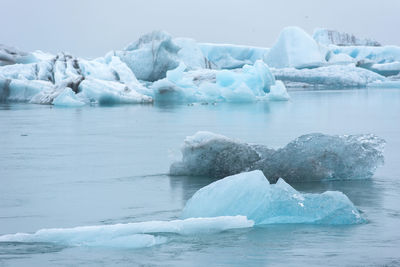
point(311, 157)
point(130, 235)
point(251, 195)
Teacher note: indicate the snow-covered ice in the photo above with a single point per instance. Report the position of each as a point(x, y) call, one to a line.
point(130, 235)
point(311, 157)
point(251, 195)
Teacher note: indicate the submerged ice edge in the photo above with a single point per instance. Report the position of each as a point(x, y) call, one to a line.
point(130, 235)
point(239, 201)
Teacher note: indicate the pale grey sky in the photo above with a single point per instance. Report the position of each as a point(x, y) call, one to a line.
point(90, 28)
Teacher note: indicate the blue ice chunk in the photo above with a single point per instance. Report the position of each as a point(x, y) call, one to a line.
point(311, 157)
point(251, 195)
point(248, 84)
point(67, 98)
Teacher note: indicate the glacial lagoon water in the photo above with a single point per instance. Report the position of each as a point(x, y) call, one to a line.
point(66, 167)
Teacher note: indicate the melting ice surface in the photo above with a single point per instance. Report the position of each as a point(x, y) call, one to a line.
point(250, 194)
point(311, 157)
point(130, 235)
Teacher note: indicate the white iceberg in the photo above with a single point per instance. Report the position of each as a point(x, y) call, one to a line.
point(22, 90)
point(250, 194)
point(379, 55)
point(151, 56)
point(294, 49)
point(229, 56)
point(311, 157)
point(11, 55)
point(42, 82)
point(334, 76)
point(385, 84)
point(248, 84)
point(130, 235)
point(190, 53)
point(385, 69)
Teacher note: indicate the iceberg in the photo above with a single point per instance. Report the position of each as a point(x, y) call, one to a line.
point(378, 55)
point(67, 98)
point(328, 37)
point(11, 55)
point(385, 84)
point(385, 69)
point(294, 49)
point(93, 81)
point(151, 56)
point(158, 67)
point(250, 194)
point(130, 235)
point(333, 76)
point(311, 157)
point(229, 56)
point(190, 53)
point(22, 90)
point(248, 84)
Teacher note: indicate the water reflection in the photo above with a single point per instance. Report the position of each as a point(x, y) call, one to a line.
point(188, 185)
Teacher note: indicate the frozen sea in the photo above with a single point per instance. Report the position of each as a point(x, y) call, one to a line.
point(66, 167)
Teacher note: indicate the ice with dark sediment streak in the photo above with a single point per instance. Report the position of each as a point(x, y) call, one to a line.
point(11, 55)
point(311, 157)
point(251, 195)
point(333, 37)
point(130, 235)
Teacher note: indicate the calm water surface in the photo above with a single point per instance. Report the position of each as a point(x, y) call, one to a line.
point(66, 167)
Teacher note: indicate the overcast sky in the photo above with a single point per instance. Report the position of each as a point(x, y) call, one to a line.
point(90, 28)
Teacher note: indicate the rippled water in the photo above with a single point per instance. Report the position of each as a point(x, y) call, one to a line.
point(106, 165)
